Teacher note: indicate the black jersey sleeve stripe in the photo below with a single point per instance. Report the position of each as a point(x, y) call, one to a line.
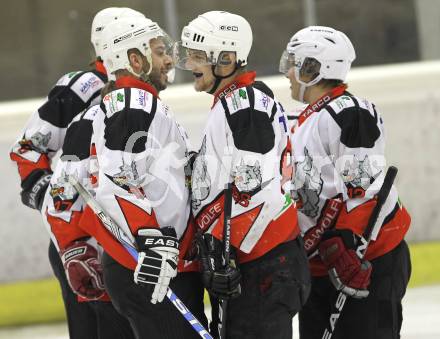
point(356, 103)
point(153, 106)
point(251, 130)
point(93, 97)
point(121, 127)
point(77, 141)
point(64, 104)
point(263, 88)
point(331, 111)
point(274, 111)
point(358, 127)
point(251, 96)
point(225, 106)
point(127, 94)
point(375, 112)
point(61, 107)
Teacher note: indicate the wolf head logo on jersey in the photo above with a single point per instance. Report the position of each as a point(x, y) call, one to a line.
point(201, 181)
point(63, 193)
point(128, 179)
point(358, 176)
point(307, 186)
point(247, 178)
point(37, 142)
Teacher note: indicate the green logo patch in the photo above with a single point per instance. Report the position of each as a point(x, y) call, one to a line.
point(242, 93)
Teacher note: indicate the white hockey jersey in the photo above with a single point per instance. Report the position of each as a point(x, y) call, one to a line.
point(44, 133)
point(142, 153)
point(63, 207)
point(338, 149)
point(245, 142)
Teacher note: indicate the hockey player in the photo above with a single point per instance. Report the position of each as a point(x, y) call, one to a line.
point(338, 149)
point(244, 142)
point(43, 136)
point(142, 153)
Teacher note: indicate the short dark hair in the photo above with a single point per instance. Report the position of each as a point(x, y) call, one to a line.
point(330, 83)
point(311, 68)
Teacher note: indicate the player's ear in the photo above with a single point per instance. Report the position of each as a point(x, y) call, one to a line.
point(135, 60)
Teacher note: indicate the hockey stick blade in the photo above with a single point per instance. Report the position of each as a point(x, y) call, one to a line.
point(119, 234)
point(381, 197)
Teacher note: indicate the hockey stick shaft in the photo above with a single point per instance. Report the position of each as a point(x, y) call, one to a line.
point(119, 234)
point(227, 254)
point(381, 197)
point(227, 223)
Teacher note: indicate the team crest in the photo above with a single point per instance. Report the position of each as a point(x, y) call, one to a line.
point(129, 179)
point(358, 177)
point(247, 182)
point(63, 193)
point(201, 181)
point(37, 142)
point(307, 185)
point(247, 178)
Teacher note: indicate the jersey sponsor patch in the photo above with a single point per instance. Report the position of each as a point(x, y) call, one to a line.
point(237, 100)
point(66, 78)
point(114, 102)
point(87, 85)
point(141, 99)
point(342, 102)
point(326, 221)
point(263, 102)
point(91, 113)
point(210, 213)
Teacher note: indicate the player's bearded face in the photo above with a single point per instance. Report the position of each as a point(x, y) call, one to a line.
point(162, 64)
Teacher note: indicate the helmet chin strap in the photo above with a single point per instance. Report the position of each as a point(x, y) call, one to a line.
point(302, 91)
point(219, 78)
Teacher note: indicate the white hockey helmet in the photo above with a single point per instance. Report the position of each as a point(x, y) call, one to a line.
point(332, 49)
point(215, 32)
point(128, 33)
point(103, 18)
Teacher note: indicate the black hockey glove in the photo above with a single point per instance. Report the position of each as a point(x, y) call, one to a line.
point(157, 260)
point(34, 187)
point(220, 281)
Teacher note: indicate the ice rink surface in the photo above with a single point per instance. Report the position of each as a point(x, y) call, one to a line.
point(421, 308)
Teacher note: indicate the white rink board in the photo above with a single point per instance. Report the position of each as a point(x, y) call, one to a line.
point(421, 307)
point(407, 95)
